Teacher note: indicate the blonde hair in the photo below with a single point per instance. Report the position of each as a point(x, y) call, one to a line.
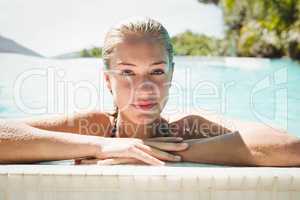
point(138, 28)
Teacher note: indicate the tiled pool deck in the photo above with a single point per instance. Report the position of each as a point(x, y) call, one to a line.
point(63, 180)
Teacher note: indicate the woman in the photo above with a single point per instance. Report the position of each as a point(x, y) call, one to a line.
point(138, 61)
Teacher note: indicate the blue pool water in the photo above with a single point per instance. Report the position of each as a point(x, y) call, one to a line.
point(253, 89)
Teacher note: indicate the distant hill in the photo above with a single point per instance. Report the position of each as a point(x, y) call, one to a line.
point(9, 46)
point(68, 55)
point(86, 52)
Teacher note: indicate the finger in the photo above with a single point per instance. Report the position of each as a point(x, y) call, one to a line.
point(161, 155)
point(87, 162)
point(77, 161)
point(111, 161)
point(143, 156)
point(118, 161)
point(166, 146)
point(166, 139)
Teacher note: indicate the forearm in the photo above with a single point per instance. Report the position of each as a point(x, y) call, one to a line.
point(226, 149)
point(256, 148)
point(86, 123)
point(20, 143)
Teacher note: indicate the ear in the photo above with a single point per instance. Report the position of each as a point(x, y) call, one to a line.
point(107, 81)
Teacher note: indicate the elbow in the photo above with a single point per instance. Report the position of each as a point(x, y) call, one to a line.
point(286, 155)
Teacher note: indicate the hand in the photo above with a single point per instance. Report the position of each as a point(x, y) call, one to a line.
point(136, 151)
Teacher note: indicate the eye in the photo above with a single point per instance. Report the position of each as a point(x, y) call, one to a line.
point(127, 72)
point(157, 72)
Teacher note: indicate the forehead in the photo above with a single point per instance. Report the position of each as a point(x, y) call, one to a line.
point(139, 52)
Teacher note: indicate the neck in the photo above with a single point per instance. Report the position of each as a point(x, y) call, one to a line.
point(127, 128)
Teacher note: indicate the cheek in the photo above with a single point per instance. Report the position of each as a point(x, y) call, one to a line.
point(164, 94)
point(122, 93)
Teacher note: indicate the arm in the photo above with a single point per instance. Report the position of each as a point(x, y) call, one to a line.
point(21, 143)
point(253, 145)
point(196, 126)
point(89, 123)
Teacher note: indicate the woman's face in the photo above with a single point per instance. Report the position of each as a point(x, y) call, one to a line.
point(139, 77)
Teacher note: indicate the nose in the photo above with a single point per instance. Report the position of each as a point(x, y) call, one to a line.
point(145, 88)
point(145, 85)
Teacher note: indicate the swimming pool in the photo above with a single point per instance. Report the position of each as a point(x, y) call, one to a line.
point(253, 89)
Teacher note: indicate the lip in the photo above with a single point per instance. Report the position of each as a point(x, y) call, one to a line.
point(144, 105)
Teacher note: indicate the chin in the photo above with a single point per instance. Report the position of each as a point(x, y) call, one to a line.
point(145, 119)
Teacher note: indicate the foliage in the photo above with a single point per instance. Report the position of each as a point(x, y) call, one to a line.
point(189, 43)
point(93, 52)
point(269, 28)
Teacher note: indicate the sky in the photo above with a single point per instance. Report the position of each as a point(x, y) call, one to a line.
point(54, 27)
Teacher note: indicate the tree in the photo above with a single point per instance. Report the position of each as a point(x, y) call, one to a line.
point(189, 43)
point(269, 28)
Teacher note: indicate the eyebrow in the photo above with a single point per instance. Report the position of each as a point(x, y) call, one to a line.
point(159, 62)
point(133, 65)
point(124, 63)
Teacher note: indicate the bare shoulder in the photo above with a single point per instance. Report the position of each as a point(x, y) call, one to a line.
point(203, 125)
point(204, 117)
point(92, 122)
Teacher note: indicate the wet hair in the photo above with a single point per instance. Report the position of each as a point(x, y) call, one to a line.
point(135, 29)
